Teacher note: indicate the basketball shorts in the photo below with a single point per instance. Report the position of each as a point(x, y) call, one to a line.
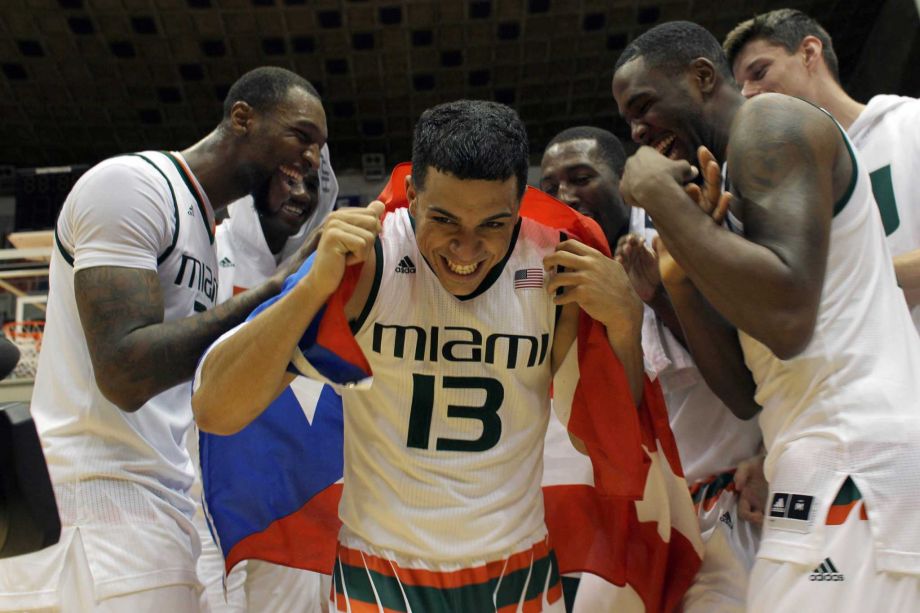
point(366, 579)
point(845, 581)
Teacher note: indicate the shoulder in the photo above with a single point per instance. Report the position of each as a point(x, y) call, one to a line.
point(123, 175)
point(778, 116)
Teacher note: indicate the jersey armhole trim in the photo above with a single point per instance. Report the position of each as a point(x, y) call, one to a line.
point(842, 202)
point(199, 200)
point(562, 238)
point(175, 237)
point(358, 323)
point(57, 240)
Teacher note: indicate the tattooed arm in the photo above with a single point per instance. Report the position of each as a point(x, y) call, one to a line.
point(135, 354)
point(787, 163)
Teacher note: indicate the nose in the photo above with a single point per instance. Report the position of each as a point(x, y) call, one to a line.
point(749, 90)
point(311, 154)
point(566, 193)
point(638, 132)
point(466, 245)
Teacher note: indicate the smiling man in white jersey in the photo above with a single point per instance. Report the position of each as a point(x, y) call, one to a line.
point(441, 508)
point(787, 52)
point(130, 310)
point(798, 311)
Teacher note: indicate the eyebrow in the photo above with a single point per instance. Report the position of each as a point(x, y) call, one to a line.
point(632, 99)
point(754, 61)
point(445, 213)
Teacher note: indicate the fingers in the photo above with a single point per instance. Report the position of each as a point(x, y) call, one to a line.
point(721, 210)
point(564, 259)
point(377, 208)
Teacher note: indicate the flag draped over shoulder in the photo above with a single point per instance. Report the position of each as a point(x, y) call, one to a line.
point(272, 490)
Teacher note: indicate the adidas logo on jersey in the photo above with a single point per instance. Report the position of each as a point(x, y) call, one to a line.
point(727, 520)
point(406, 265)
point(226, 263)
point(826, 571)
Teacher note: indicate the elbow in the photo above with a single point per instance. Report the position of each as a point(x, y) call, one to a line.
point(745, 410)
point(209, 418)
point(791, 337)
point(123, 396)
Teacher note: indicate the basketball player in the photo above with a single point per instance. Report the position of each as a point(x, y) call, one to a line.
point(802, 291)
point(251, 245)
point(788, 52)
point(130, 310)
point(442, 506)
point(582, 167)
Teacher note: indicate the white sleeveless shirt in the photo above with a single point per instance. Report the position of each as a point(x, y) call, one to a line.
point(849, 403)
point(444, 452)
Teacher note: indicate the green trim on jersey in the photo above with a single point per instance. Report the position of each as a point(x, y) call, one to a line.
point(883, 190)
point(840, 204)
point(848, 493)
point(191, 188)
point(57, 239)
point(372, 296)
point(175, 237)
point(496, 271)
point(372, 587)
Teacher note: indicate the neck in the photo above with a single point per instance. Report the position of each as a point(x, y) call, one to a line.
point(831, 97)
point(275, 238)
point(728, 101)
point(213, 164)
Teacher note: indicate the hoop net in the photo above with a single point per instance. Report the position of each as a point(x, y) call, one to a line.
point(27, 335)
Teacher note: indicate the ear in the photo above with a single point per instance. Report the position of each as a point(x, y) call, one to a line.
point(241, 117)
point(704, 75)
point(811, 50)
point(411, 195)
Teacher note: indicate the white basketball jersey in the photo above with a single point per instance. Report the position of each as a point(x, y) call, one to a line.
point(84, 434)
point(888, 141)
point(849, 403)
point(444, 452)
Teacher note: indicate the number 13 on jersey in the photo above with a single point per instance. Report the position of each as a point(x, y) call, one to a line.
point(422, 411)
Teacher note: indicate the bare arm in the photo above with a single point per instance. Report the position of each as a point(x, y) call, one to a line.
point(767, 283)
point(135, 354)
point(245, 372)
point(600, 286)
point(907, 270)
point(713, 343)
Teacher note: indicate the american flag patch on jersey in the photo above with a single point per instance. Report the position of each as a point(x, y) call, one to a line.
point(528, 277)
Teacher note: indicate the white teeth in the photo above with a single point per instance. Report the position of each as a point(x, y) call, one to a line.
point(461, 269)
point(293, 210)
point(291, 173)
point(664, 143)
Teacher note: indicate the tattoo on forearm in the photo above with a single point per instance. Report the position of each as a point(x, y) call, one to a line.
point(132, 349)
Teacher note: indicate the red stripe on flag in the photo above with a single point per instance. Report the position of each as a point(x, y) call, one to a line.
point(314, 528)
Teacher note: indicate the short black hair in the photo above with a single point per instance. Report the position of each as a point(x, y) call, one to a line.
point(263, 88)
point(608, 145)
point(471, 139)
point(673, 45)
point(785, 27)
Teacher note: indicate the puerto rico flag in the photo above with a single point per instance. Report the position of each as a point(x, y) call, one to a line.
point(272, 490)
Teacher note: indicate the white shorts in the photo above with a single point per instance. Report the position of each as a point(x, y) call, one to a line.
point(846, 581)
point(730, 547)
point(258, 586)
point(369, 579)
point(76, 591)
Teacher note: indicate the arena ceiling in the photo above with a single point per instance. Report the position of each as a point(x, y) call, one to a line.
point(84, 79)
